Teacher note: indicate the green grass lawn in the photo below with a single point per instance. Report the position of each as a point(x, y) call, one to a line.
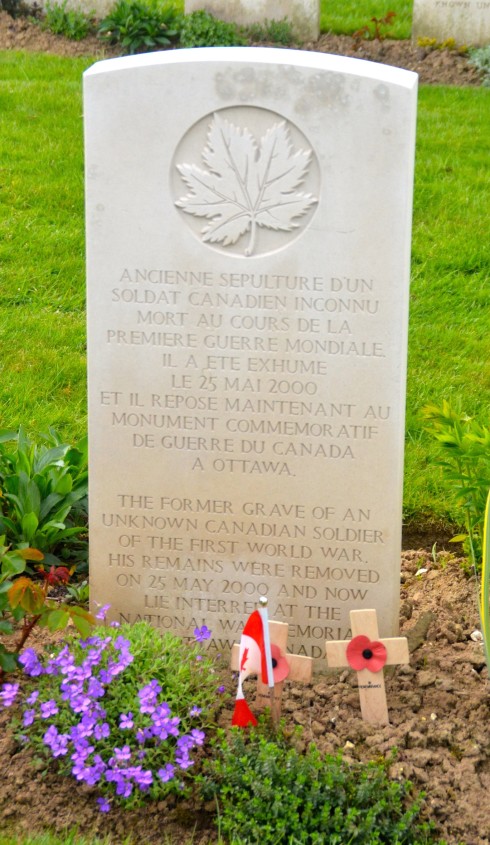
point(42, 320)
point(449, 341)
point(347, 16)
point(42, 366)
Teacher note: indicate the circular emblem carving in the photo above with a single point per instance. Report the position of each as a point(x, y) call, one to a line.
point(245, 180)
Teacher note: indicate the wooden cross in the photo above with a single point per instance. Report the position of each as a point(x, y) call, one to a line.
point(371, 683)
point(300, 669)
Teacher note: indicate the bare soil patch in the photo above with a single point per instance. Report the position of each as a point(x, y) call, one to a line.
point(439, 710)
point(435, 67)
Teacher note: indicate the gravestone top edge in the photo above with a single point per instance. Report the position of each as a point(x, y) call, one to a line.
point(305, 59)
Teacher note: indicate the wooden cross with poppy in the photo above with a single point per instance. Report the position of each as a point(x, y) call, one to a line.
point(367, 654)
point(295, 667)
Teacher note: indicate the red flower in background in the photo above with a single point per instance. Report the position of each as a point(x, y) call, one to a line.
point(364, 654)
point(55, 575)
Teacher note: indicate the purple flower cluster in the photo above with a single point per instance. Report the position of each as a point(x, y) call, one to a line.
point(8, 694)
point(121, 758)
point(185, 744)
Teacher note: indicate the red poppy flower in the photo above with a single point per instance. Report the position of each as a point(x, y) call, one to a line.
point(280, 666)
point(364, 654)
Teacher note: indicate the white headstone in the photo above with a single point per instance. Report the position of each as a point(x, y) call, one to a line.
point(304, 15)
point(467, 21)
point(248, 245)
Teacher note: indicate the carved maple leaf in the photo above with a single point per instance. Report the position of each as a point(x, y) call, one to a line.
point(246, 186)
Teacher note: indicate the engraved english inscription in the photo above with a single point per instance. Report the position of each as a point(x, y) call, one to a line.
point(247, 184)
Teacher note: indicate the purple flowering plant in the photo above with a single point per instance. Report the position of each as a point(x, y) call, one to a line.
point(125, 710)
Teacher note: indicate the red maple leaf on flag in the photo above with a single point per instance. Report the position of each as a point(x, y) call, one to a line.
point(244, 660)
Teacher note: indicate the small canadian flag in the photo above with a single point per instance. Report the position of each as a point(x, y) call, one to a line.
point(255, 658)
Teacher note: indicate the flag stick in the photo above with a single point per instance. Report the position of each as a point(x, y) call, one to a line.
point(268, 652)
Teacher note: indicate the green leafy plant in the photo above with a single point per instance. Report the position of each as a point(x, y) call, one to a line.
point(465, 445)
point(78, 593)
point(43, 495)
point(26, 602)
point(201, 29)
point(277, 31)
point(72, 23)
point(267, 792)
point(480, 58)
point(375, 30)
point(138, 26)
